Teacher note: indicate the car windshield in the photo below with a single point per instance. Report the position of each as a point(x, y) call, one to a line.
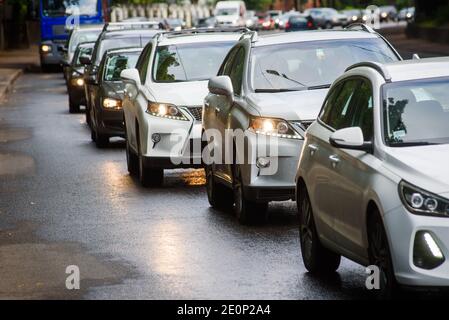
point(303, 65)
point(227, 12)
point(189, 62)
point(117, 43)
point(115, 64)
point(83, 36)
point(416, 112)
point(82, 51)
point(55, 8)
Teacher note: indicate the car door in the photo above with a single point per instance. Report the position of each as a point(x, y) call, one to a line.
point(214, 111)
point(353, 173)
point(321, 176)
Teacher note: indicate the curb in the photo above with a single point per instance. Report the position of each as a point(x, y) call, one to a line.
point(6, 87)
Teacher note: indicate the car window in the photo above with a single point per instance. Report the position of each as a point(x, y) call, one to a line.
point(237, 71)
point(115, 64)
point(143, 62)
point(338, 112)
point(225, 69)
point(363, 115)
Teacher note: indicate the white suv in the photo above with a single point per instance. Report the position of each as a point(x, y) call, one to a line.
point(271, 88)
point(164, 98)
point(373, 178)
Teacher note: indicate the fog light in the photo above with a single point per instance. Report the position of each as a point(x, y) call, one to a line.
point(262, 162)
point(426, 252)
point(46, 48)
point(155, 137)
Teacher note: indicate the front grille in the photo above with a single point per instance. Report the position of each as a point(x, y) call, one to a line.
point(196, 112)
point(59, 30)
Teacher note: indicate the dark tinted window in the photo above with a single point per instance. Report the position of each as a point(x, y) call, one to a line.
point(116, 63)
point(227, 65)
point(82, 51)
point(143, 62)
point(363, 115)
point(237, 71)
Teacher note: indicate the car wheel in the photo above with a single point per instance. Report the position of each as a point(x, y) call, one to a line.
point(379, 255)
point(218, 195)
point(317, 258)
point(101, 140)
point(73, 106)
point(88, 116)
point(246, 211)
point(132, 160)
point(149, 177)
point(328, 25)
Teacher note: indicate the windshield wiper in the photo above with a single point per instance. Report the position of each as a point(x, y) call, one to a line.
point(413, 144)
point(277, 74)
point(279, 90)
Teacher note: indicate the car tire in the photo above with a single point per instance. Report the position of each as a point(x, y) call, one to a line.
point(132, 160)
point(101, 140)
point(380, 256)
point(218, 195)
point(246, 211)
point(317, 259)
point(328, 25)
point(73, 106)
point(148, 177)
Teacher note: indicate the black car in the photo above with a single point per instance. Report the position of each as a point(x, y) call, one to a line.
point(114, 36)
point(75, 76)
point(106, 107)
point(299, 23)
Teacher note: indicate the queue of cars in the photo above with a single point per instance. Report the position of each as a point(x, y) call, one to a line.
point(333, 120)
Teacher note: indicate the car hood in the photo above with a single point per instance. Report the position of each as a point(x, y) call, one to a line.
point(295, 105)
point(423, 166)
point(180, 93)
point(114, 89)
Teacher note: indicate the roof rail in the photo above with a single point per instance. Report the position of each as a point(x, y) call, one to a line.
point(253, 35)
point(361, 27)
point(112, 26)
point(374, 65)
point(193, 31)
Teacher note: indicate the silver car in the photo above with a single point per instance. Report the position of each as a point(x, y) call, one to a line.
point(373, 178)
point(270, 89)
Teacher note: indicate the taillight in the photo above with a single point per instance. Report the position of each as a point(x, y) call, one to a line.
point(287, 25)
point(310, 24)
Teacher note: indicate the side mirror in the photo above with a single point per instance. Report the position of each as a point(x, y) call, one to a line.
point(350, 138)
point(131, 75)
point(85, 60)
point(222, 86)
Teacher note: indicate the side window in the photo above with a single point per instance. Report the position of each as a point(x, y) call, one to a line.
point(225, 69)
point(329, 102)
point(237, 71)
point(143, 62)
point(338, 109)
point(363, 110)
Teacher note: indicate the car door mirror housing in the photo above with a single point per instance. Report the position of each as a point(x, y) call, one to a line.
point(131, 76)
point(221, 85)
point(350, 138)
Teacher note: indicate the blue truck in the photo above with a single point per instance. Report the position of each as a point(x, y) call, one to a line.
point(56, 17)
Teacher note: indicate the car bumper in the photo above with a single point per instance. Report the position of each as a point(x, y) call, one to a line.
point(277, 181)
point(179, 144)
point(110, 123)
point(402, 228)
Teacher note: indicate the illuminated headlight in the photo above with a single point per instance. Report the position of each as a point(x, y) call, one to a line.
point(46, 48)
point(384, 14)
point(79, 82)
point(364, 18)
point(109, 103)
point(354, 18)
point(421, 202)
point(165, 110)
point(273, 127)
point(409, 15)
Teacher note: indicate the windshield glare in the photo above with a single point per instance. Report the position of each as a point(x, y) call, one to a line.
point(191, 62)
point(117, 63)
point(83, 36)
point(309, 64)
point(67, 7)
point(416, 112)
point(117, 43)
point(82, 51)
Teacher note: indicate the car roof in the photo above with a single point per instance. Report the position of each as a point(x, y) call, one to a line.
point(315, 35)
point(129, 33)
point(89, 44)
point(86, 27)
point(199, 38)
point(123, 50)
point(418, 69)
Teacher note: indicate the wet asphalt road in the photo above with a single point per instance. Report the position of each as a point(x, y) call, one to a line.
point(64, 202)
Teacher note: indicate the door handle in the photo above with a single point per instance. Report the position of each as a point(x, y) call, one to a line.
point(335, 160)
point(313, 148)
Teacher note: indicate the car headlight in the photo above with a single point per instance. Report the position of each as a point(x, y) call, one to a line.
point(409, 15)
point(421, 202)
point(273, 127)
point(78, 82)
point(354, 18)
point(384, 14)
point(165, 110)
point(114, 104)
point(46, 48)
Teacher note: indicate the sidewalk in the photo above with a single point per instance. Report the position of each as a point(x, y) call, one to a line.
point(12, 65)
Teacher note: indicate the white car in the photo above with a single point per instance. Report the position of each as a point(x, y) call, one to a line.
point(373, 177)
point(164, 98)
